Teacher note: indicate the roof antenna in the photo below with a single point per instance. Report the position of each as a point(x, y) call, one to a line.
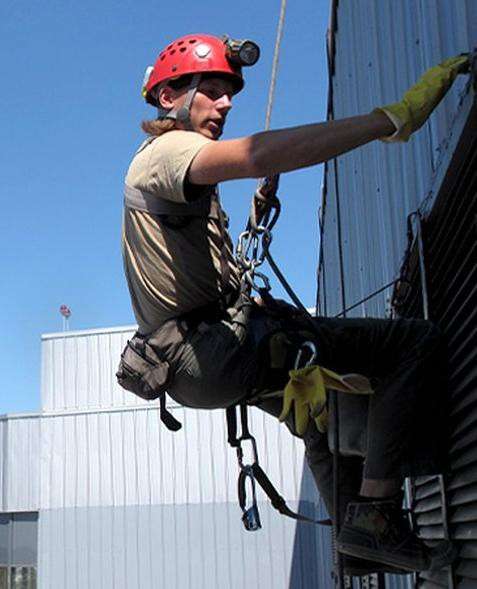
point(66, 312)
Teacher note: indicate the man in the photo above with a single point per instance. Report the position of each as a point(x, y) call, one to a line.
point(184, 283)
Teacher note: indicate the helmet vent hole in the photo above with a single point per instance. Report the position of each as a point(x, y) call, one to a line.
point(163, 57)
point(193, 41)
point(172, 52)
point(182, 49)
point(169, 46)
point(180, 42)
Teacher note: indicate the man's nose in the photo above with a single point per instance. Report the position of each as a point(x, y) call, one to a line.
point(224, 103)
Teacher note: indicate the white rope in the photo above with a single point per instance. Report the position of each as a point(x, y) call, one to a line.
point(276, 54)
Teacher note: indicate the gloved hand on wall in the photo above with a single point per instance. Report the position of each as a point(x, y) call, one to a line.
point(421, 99)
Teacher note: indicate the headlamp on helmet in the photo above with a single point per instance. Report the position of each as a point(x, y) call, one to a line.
point(241, 52)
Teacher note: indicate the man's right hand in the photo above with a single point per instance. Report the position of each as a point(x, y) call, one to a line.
point(421, 99)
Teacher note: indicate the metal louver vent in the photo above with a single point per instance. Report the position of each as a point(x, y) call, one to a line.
point(450, 253)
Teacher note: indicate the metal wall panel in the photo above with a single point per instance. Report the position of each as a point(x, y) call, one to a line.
point(129, 457)
point(201, 546)
point(450, 255)
point(78, 370)
point(377, 50)
point(380, 50)
point(125, 502)
point(19, 482)
point(3, 462)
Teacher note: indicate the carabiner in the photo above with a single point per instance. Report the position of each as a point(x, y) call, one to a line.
point(251, 279)
point(311, 347)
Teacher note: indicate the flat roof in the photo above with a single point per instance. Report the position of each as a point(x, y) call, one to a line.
point(84, 332)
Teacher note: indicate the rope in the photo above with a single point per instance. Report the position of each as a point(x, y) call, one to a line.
point(276, 53)
point(366, 298)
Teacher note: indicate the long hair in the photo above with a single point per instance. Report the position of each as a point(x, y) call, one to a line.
point(157, 127)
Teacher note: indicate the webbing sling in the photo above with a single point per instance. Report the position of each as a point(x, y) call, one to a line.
point(254, 472)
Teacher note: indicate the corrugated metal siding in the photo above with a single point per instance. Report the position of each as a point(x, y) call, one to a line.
point(19, 468)
point(378, 49)
point(129, 458)
point(78, 370)
point(450, 240)
point(381, 49)
point(177, 547)
point(3, 462)
point(125, 502)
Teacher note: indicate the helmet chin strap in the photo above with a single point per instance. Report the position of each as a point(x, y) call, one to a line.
point(183, 113)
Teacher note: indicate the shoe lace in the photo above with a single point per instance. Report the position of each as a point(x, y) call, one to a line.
point(399, 529)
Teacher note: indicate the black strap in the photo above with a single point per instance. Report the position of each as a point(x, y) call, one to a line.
point(255, 470)
point(231, 416)
point(166, 416)
point(278, 501)
point(223, 258)
point(246, 435)
point(150, 203)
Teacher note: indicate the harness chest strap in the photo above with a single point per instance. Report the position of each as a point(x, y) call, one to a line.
point(149, 203)
point(205, 207)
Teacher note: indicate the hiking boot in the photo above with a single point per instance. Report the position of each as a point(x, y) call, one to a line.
point(381, 531)
point(358, 567)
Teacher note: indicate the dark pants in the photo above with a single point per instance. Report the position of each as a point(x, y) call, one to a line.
point(221, 363)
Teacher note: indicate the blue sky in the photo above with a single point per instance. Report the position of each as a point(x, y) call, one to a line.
point(70, 109)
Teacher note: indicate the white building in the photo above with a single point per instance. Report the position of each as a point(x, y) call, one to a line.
point(96, 493)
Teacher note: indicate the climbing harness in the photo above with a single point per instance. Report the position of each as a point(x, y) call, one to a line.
point(253, 248)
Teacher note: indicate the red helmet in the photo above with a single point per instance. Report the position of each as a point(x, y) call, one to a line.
point(196, 54)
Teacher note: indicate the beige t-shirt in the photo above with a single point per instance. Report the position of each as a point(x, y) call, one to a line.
point(171, 271)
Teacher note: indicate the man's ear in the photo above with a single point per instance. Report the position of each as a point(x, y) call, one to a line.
point(166, 97)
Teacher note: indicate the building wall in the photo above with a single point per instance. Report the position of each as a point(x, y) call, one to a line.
point(124, 502)
point(78, 370)
point(19, 460)
point(377, 50)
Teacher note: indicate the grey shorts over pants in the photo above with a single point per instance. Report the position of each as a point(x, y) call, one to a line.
point(220, 364)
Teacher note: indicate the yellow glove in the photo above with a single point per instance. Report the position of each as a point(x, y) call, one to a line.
point(419, 101)
point(306, 391)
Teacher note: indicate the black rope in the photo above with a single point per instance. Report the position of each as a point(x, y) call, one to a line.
point(370, 296)
point(339, 573)
point(320, 307)
point(291, 293)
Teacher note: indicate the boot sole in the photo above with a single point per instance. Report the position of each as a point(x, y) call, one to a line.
point(396, 562)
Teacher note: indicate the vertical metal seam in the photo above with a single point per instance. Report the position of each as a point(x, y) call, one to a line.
point(150, 483)
point(214, 495)
point(187, 506)
point(174, 501)
point(137, 503)
point(5, 477)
